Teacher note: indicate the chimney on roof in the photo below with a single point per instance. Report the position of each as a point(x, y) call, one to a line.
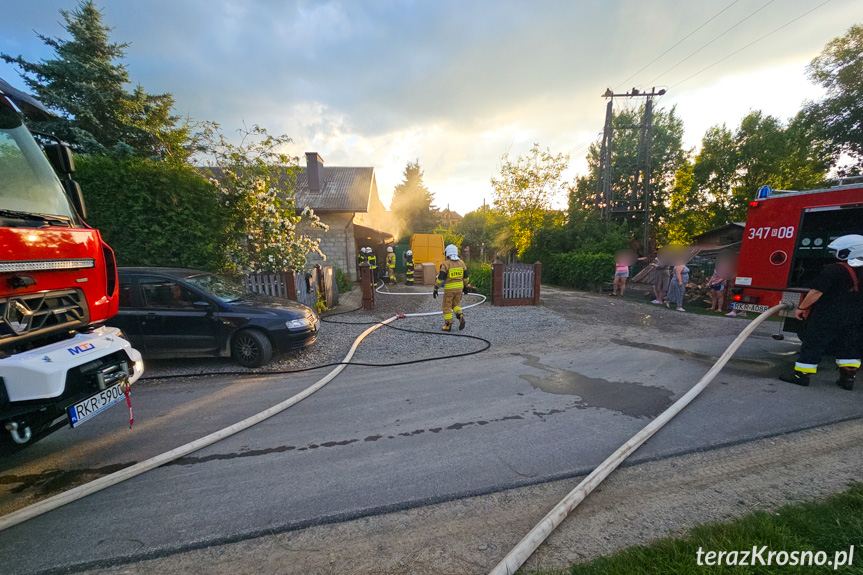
point(315, 172)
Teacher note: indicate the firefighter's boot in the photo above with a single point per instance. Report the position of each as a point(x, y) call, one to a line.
point(846, 377)
point(447, 327)
point(798, 378)
point(460, 317)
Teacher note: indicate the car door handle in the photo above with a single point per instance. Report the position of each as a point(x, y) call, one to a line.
point(150, 316)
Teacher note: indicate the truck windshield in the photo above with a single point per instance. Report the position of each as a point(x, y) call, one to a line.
point(28, 184)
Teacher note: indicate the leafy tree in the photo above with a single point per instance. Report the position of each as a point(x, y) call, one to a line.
point(85, 85)
point(717, 187)
point(413, 204)
point(482, 226)
point(526, 190)
point(667, 156)
point(838, 118)
point(254, 181)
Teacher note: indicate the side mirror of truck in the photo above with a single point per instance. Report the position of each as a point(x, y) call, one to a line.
point(73, 190)
point(61, 159)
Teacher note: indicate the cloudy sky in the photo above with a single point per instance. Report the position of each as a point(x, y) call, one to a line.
point(455, 84)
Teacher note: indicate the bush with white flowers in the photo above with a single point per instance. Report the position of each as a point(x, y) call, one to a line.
point(256, 182)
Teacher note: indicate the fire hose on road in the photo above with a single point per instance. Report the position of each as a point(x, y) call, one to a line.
point(525, 548)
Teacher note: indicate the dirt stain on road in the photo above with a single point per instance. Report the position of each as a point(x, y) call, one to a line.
point(56, 480)
point(628, 398)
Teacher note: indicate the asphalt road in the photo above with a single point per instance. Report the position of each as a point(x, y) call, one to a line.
point(383, 439)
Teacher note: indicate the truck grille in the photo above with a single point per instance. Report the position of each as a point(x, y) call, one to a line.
point(27, 316)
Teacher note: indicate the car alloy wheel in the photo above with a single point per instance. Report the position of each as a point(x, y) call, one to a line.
point(252, 348)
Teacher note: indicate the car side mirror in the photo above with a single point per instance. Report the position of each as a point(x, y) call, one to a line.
point(202, 305)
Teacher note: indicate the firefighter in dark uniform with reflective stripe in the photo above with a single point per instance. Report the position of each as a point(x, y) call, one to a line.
point(409, 268)
point(373, 263)
point(453, 276)
point(362, 257)
point(833, 310)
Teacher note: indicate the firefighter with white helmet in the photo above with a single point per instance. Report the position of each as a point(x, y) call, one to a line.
point(362, 257)
point(833, 311)
point(372, 259)
point(453, 276)
point(391, 266)
point(409, 267)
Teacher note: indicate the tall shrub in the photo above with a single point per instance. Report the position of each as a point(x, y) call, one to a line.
point(153, 213)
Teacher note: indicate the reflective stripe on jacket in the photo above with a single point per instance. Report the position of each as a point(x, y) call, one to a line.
point(452, 275)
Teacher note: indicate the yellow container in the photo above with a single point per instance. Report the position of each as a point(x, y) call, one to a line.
point(427, 248)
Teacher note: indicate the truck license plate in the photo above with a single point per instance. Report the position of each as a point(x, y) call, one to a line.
point(95, 404)
point(749, 307)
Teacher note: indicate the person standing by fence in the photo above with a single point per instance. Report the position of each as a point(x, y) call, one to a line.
point(677, 288)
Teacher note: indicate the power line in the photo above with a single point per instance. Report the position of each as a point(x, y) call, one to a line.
point(769, 2)
point(712, 18)
point(751, 43)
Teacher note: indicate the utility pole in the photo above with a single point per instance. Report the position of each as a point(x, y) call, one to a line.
point(605, 199)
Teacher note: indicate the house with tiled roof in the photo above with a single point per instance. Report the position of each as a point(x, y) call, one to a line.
point(346, 199)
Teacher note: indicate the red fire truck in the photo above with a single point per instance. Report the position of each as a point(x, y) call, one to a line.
point(785, 243)
point(59, 365)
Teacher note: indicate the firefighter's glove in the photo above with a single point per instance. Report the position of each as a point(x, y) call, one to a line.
point(434, 293)
point(468, 289)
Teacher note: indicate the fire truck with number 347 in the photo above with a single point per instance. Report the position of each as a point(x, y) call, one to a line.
point(785, 243)
point(59, 365)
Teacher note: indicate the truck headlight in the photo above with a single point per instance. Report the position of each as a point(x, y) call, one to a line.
point(298, 323)
point(139, 366)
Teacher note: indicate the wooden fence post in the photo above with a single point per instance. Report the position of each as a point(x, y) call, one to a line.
point(537, 277)
point(321, 287)
point(290, 285)
point(368, 286)
point(497, 284)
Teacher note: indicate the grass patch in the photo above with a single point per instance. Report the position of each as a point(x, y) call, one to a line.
point(831, 526)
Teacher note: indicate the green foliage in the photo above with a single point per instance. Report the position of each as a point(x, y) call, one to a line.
point(587, 235)
point(485, 226)
point(717, 187)
point(480, 277)
point(578, 270)
point(449, 237)
point(85, 85)
point(343, 281)
point(838, 118)
point(254, 179)
point(830, 526)
point(526, 190)
point(154, 214)
point(413, 204)
point(667, 156)
point(320, 304)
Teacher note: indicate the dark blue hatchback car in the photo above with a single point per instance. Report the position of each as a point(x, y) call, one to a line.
point(172, 312)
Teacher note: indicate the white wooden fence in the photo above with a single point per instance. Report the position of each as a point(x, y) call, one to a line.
point(518, 281)
point(275, 285)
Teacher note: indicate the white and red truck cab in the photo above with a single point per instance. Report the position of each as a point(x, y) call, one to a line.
point(59, 365)
point(785, 242)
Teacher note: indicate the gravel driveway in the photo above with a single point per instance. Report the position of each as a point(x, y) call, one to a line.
point(504, 327)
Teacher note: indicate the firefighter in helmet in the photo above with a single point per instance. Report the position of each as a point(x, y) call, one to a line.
point(833, 311)
point(373, 262)
point(409, 267)
point(391, 266)
point(453, 276)
point(362, 257)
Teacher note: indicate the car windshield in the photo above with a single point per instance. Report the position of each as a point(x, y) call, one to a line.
point(27, 181)
point(221, 288)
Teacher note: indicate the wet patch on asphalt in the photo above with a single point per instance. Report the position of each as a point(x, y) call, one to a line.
point(629, 398)
point(54, 481)
point(759, 367)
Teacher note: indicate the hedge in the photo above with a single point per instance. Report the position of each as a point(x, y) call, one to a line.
point(152, 213)
point(480, 277)
point(579, 270)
